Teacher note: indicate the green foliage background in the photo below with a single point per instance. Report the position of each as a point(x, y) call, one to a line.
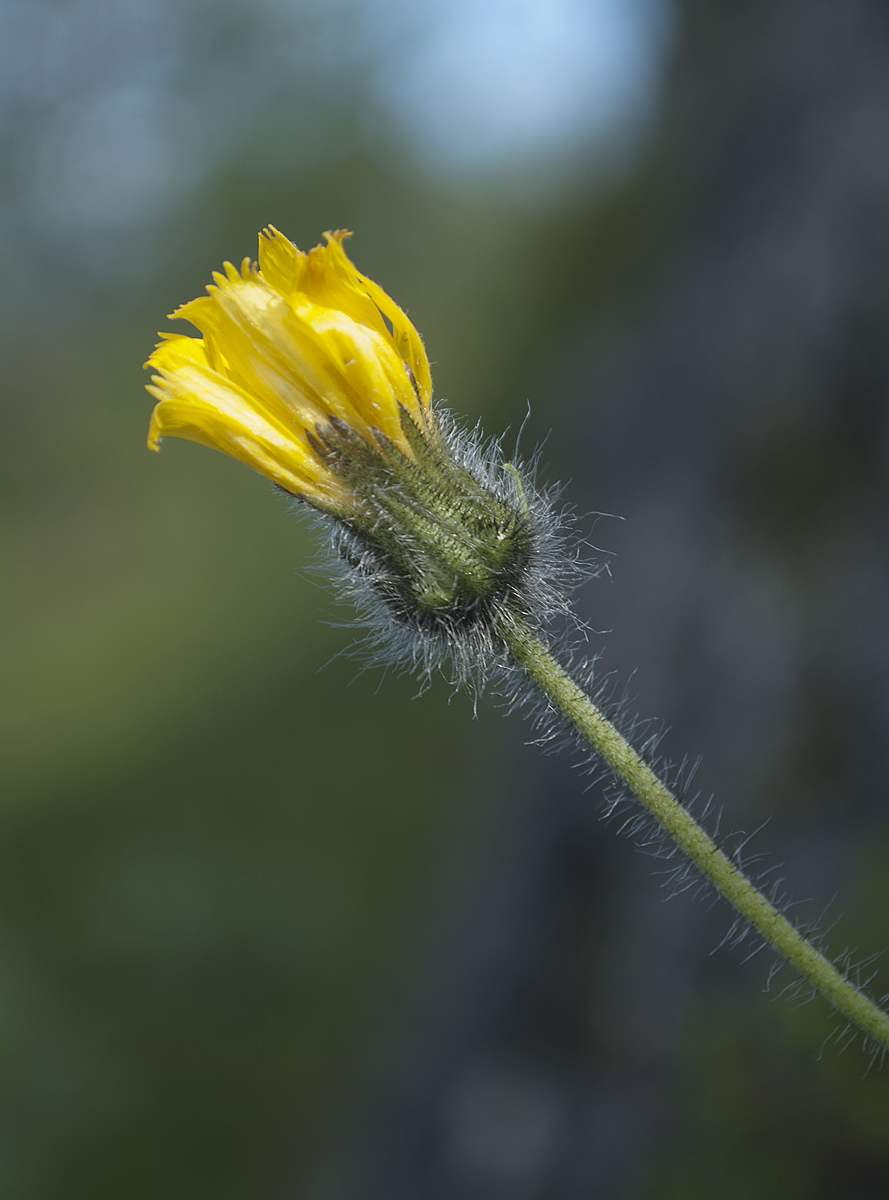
point(219, 842)
point(212, 847)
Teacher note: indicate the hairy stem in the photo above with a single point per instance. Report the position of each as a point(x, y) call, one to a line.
point(529, 652)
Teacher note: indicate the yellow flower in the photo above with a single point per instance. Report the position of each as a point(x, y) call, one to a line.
point(309, 373)
point(291, 347)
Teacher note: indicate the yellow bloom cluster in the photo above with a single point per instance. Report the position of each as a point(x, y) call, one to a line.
point(287, 347)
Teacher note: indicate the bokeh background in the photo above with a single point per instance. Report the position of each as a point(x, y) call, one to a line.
point(273, 927)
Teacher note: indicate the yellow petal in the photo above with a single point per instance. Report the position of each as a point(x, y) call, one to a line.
point(404, 338)
point(198, 404)
point(328, 279)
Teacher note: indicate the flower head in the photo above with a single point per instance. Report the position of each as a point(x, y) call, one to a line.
point(308, 372)
point(289, 345)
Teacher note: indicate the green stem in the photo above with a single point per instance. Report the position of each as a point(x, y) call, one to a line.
point(530, 653)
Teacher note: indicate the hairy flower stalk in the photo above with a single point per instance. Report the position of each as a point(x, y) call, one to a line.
point(309, 373)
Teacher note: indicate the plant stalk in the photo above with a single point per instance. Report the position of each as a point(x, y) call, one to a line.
point(532, 654)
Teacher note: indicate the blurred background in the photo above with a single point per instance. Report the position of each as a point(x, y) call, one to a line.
point(272, 927)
